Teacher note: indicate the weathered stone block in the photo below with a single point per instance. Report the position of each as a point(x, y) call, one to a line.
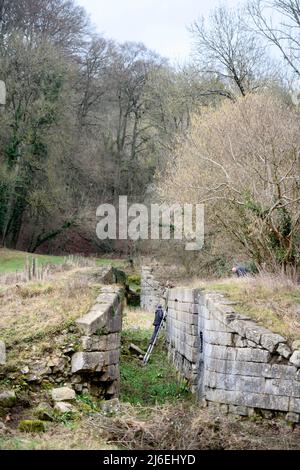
point(186, 328)
point(106, 314)
point(238, 410)
point(224, 315)
point(268, 402)
point(110, 373)
point(235, 382)
point(94, 361)
point(184, 307)
point(64, 407)
point(204, 312)
point(239, 341)
point(2, 353)
point(254, 332)
point(252, 369)
point(87, 362)
point(253, 355)
point(101, 343)
point(241, 326)
point(250, 384)
point(63, 394)
point(295, 358)
point(8, 398)
point(270, 341)
point(215, 325)
point(94, 320)
point(219, 338)
point(253, 400)
point(220, 352)
point(280, 371)
point(181, 294)
point(114, 323)
point(284, 350)
point(294, 405)
point(292, 417)
point(283, 387)
point(106, 298)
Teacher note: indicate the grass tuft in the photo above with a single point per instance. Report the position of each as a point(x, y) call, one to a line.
point(272, 300)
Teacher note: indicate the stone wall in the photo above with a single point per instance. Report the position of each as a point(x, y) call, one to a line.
point(229, 359)
point(85, 354)
point(182, 333)
point(2, 353)
point(151, 289)
point(244, 365)
point(97, 363)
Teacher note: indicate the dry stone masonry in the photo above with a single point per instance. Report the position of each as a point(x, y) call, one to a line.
point(151, 289)
point(2, 353)
point(182, 333)
point(229, 359)
point(97, 362)
point(84, 356)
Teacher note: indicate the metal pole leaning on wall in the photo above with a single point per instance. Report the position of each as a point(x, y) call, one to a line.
point(151, 345)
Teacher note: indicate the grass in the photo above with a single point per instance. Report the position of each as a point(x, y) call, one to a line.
point(272, 300)
point(116, 263)
point(61, 436)
point(13, 260)
point(32, 313)
point(158, 381)
point(164, 427)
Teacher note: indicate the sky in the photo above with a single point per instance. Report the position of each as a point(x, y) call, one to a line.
point(160, 24)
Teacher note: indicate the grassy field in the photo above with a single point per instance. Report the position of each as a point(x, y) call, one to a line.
point(13, 260)
point(272, 300)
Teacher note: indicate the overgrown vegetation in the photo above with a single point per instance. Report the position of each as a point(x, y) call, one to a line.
point(272, 300)
point(33, 313)
point(156, 383)
point(156, 412)
point(242, 164)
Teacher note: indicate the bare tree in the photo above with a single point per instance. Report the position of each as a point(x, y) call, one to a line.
point(65, 23)
point(242, 162)
point(225, 48)
point(279, 22)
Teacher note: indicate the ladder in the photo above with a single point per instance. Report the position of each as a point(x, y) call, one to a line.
point(151, 345)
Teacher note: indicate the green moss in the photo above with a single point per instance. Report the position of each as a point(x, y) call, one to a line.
point(101, 331)
point(8, 399)
point(32, 425)
point(44, 412)
point(134, 279)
